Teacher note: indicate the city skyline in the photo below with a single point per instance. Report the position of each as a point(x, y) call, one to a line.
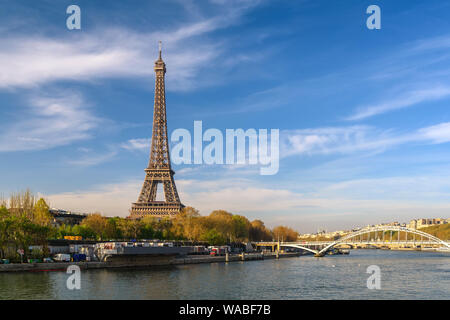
point(363, 117)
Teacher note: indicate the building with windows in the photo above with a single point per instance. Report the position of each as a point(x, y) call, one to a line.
point(423, 223)
point(60, 217)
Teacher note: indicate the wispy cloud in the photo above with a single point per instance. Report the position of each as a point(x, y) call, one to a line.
point(439, 133)
point(49, 122)
point(29, 61)
point(94, 159)
point(335, 140)
point(406, 100)
point(142, 144)
point(414, 73)
point(352, 139)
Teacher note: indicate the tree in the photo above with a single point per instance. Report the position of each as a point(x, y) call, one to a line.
point(4, 213)
point(131, 228)
point(97, 223)
point(2, 201)
point(221, 221)
point(259, 232)
point(240, 227)
point(4, 230)
point(41, 213)
point(135, 227)
point(39, 236)
point(84, 231)
point(112, 229)
point(187, 224)
point(152, 228)
point(213, 237)
point(283, 233)
point(22, 203)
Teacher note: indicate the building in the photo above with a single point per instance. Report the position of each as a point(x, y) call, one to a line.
point(423, 223)
point(60, 217)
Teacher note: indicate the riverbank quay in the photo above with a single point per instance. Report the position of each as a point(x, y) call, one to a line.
point(134, 262)
point(233, 257)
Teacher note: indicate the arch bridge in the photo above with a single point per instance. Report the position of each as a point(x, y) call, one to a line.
point(320, 248)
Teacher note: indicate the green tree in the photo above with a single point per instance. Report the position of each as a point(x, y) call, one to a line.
point(221, 221)
point(188, 224)
point(131, 228)
point(4, 229)
point(240, 227)
point(214, 238)
point(41, 213)
point(98, 224)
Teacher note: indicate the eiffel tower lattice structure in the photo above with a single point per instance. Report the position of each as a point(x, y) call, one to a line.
point(159, 170)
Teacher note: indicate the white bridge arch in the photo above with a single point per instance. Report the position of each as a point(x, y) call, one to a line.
point(293, 245)
point(383, 229)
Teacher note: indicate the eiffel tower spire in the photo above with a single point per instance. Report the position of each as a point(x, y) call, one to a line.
point(159, 170)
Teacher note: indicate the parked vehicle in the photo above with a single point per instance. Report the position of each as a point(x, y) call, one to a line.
point(77, 257)
point(62, 257)
point(218, 251)
point(199, 250)
point(48, 260)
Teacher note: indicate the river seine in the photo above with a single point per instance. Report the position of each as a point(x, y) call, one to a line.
point(404, 275)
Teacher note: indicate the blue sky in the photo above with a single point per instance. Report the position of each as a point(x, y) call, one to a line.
point(363, 114)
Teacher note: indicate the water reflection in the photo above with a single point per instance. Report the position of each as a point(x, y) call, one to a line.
point(405, 275)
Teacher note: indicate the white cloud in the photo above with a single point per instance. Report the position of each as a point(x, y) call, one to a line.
point(439, 133)
point(32, 60)
point(331, 207)
point(92, 159)
point(335, 140)
point(49, 122)
point(111, 199)
point(29, 62)
point(409, 99)
point(351, 139)
point(137, 144)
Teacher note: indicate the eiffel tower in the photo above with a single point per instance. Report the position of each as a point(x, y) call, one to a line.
point(159, 170)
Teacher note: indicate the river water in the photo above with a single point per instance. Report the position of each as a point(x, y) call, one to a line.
point(404, 275)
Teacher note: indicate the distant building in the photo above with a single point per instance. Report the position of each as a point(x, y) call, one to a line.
point(423, 223)
point(60, 217)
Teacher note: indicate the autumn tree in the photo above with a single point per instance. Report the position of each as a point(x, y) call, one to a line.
point(259, 232)
point(188, 224)
point(22, 203)
point(221, 221)
point(283, 233)
point(240, 227)
point(97, 223)
point(41, 213)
